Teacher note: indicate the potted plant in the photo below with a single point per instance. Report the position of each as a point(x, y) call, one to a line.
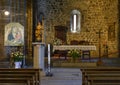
point(17, 57)
point(75, 54)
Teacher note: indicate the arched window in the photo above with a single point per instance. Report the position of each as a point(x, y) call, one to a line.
point(75, 21)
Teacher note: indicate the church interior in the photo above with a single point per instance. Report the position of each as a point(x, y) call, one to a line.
point(98, 26)
point(46, 32)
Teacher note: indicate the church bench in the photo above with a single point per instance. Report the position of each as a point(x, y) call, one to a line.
point(105, 74)
point(18, 77)
point(35, 77)
point(99, 68)
point(106, 83)
point(96, 80)
point(15, 80)
point(99, 72)
point(22, 73)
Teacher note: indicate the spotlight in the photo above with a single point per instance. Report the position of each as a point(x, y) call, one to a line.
point(6, 13)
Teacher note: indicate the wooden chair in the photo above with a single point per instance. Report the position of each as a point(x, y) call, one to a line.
point(74, 42)
point(60, 54)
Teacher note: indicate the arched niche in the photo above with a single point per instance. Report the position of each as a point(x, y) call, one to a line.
point(75, 21)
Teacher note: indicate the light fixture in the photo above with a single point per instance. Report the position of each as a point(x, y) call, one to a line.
point(6, 13)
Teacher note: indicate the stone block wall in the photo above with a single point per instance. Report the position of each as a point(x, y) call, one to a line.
point(17, 14)
point(96, 15)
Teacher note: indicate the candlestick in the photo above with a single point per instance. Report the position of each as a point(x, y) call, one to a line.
point(49, 69)
point(48, 53)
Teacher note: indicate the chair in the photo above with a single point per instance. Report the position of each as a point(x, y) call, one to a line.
point(74, 42)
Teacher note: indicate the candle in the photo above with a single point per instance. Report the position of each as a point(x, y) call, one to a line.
point(48, 53)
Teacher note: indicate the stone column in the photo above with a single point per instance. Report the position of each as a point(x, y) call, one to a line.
point(39, 54)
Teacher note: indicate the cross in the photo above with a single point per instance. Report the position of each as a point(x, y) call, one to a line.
point(99, 33)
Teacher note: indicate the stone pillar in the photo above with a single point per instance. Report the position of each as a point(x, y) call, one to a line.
point(39, 54)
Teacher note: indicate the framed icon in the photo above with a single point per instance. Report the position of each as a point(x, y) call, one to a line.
point(14, 35)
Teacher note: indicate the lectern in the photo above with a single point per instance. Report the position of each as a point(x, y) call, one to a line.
point(39, 53)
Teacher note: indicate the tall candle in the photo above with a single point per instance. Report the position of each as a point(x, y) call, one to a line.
point(48, 53)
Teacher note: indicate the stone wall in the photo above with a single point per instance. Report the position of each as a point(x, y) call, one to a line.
point(17, 14)
point(96, 15)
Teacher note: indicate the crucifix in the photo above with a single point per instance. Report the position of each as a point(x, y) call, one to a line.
point(99, 62)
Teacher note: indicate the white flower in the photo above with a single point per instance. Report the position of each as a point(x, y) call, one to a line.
point(17, 56)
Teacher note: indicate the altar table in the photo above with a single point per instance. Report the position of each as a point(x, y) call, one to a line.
point(70, 47)
point(84, 48)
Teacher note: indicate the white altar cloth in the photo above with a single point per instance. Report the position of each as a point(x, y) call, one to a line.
point(70, 47)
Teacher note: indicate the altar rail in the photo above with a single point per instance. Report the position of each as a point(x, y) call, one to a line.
point(70, 47)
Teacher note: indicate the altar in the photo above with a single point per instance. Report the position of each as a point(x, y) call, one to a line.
point(70, 47)
point(86, 49)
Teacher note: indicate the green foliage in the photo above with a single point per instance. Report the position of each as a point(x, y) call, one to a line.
point(74, 53)
point(17, 56)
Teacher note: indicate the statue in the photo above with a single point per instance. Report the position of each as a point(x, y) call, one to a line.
point(38, 32)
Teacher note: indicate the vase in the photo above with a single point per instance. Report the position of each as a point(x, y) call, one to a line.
point(18, 64)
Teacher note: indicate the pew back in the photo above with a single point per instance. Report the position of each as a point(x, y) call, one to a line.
point(96, 75)
point(11, 75)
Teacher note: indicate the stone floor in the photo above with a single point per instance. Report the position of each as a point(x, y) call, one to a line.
point(63, 76)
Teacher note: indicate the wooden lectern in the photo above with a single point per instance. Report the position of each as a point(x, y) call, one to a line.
point(39, 54)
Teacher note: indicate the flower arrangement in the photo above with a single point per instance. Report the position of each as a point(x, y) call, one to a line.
point(57, 41)
point(17, 56)
point(74, 53)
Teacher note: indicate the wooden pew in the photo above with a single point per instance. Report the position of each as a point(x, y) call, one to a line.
point(99, 68)
point(94, 74)
point(30, 76)
point(34, 72)
point(105, 79)
point(16, 80)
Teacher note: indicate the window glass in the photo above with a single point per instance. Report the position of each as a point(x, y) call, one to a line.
point(75, 21)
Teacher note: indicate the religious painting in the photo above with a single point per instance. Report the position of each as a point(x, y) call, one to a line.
point(60, 33)
point(111, 32)
point(14, 35)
